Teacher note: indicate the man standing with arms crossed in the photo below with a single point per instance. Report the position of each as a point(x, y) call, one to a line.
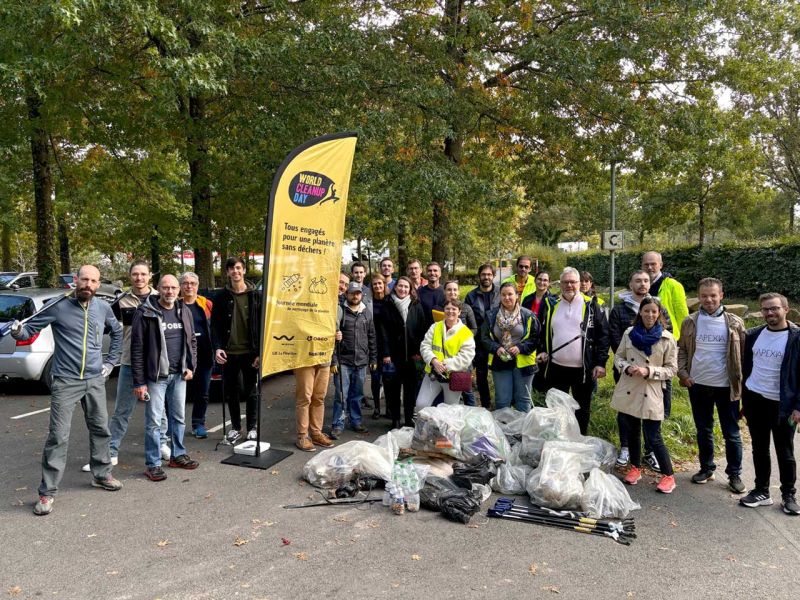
point(482, 300)
point(710, 366)
point(79, 375)
point(770, 366)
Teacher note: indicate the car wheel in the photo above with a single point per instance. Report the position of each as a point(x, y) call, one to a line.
point(46, 380)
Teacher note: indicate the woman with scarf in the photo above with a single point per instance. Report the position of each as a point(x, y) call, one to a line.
point(510, 335)
point(646, 358)
point(401, 326)
point(378, 294)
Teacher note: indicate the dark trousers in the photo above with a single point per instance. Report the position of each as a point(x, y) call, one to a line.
point(375, 387)
point(622, 423)
point(703, 399)
point(239, 377)
point(653, 439)
point(571, 378)
point(481, 363)
point(762, 421)
point(197, 392)
point(404, 379)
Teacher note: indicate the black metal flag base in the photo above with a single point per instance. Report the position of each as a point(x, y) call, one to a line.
point(263, 461)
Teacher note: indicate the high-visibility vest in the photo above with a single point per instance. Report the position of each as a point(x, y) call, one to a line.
point(523, 360)
point(450, 346)
point(530, 286)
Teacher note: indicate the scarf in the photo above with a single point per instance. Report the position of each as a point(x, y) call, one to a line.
point(402, 305)
point(643, 339)
point(506, 321)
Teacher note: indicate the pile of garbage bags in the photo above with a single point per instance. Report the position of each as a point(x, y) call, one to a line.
point(540, 453)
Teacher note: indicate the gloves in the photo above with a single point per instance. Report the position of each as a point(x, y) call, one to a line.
point(106, 370)
point(16, 328)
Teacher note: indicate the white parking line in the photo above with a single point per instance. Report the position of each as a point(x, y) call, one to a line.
point(36, 412)
point(218, 427)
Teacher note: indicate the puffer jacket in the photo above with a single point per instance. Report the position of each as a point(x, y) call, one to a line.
point(358, 347)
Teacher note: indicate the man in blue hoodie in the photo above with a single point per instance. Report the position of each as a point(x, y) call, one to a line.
point(79, 375)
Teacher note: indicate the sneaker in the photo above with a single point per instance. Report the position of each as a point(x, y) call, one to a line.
point(735, 484)
point(624, 457)
point(666, 485)
point(233, 436)
point(703, 477)
point(756, 498)
point(651, 462)
point(183, 462)
point(252, 434)
point(633, 475)
point(166, 452)
point(155, 473)
point(376, 414)
point(320, 439)
point(360, 428)
point(87, 468)
point(305, 444)
point(109, 484)
point(335, 433)
point(789, 505)
point(43, 506)
point(200, 432)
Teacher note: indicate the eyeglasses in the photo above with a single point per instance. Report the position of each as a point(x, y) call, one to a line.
point(569, 282)
point(526, 267)
point(771, 309)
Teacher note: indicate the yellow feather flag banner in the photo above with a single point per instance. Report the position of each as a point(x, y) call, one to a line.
point(303, 254)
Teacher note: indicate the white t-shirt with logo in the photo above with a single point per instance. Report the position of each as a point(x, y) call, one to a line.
point(767, 358)
point(709, 363)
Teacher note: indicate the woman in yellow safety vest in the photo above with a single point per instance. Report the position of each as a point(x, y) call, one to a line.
point(510, 335)
point(448, 346)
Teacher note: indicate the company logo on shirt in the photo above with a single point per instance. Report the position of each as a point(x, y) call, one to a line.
point(166, 326)
point(710, 337)
point(767, 353)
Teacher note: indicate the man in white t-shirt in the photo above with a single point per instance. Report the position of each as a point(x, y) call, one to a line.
point(770, 365)
point(710, 366)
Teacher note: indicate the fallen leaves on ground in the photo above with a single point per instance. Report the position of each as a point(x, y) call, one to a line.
point(416, 557)
point(731, 558)
point(551, 588)
point(630, 594)
point(275, 472)
point(300, 555)
point(208, 496)
point(240, 541)
point(21, 489)
point(13, 591)
point(673, 523)
point(112, 572)
point(91, 535)
point(163, 543)
point(533, 568)
point(341, 519)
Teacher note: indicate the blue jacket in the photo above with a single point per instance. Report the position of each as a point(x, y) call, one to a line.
point(78, 334)
point(790, 367)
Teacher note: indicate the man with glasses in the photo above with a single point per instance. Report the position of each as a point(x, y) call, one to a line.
point(771, 400)
point(573, 346)
point(525, 282)
point(414, 272)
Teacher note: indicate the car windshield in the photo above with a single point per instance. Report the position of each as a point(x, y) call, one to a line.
point(6, 277)
point(15, 307)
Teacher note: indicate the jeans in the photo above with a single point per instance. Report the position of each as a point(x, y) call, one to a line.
point(510, 386)
point(352, 382)
point(481, 363)
point(763, 420)
point(66, 393)
point(653, 439)
point(167, 391)
point(123, 408)
point(198, 393)
point(566, 378)
point(239, 377)
point(703, 399)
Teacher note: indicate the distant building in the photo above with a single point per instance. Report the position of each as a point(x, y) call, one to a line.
point(573, 246)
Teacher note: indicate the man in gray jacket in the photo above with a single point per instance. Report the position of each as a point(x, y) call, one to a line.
point(79, 375)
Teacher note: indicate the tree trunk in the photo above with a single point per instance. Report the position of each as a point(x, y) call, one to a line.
point(42, 194)
point(5, 247)
point(402, 250)
point(200, 185)
point(792, 205)
point(701, 225)
point(155, 255)
point(63, 244)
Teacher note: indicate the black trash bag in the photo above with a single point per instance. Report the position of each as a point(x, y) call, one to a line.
point(459, 505)
point(465, 474)
point(434, 487)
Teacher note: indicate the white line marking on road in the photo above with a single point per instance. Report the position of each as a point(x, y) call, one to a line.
point(36, 412)
point(218, 427)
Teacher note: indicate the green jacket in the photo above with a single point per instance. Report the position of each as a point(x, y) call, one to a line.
point(673, 298)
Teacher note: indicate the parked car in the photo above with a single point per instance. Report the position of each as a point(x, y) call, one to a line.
point(14, 280)
point(108, 290)
point(31, 359)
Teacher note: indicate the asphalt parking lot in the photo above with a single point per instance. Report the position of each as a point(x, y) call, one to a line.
point(220, 532)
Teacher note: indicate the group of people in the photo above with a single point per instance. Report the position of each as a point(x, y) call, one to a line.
point(165, 341)
point(413, 334)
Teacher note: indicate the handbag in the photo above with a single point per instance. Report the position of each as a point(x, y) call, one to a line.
point(459, 381)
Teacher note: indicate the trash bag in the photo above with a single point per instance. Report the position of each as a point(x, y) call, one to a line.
point(605, 453)
point(510, 420)
point(337, 466)
point(605, 496)
point(482, 436)
point(482, 491)
point(465, 474)
point(395, 440)
point(557, 482)
point(438, 467)
point(511, 478)
point(555, 398)
point(459, 505)
point(438, 429)
point(434, 487)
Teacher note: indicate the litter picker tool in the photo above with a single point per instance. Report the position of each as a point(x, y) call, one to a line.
point(5, 328)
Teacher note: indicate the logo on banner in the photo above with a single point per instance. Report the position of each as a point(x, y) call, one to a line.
point(308, 188)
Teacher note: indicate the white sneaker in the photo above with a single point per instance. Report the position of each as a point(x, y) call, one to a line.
point(87, 467)
point(623, 457)
point(232, 436)
point(252, 434)
point(166, 453)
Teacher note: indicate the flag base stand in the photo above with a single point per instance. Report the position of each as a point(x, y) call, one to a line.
point(263, 461)
point(250, 448)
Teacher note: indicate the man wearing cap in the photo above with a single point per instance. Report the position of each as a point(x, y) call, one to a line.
point(355, 350)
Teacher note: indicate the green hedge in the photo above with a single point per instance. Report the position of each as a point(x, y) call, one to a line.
point(745, 270)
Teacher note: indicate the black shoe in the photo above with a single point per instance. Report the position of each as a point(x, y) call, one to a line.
point(650, 461)
point(155, 474)
point(183, 462)
point(395, 424)
point(376, 414)
point(360, 428)
point(703, 477)
point(735, 484)
point(365, 403)
point(756, 498)
point(789, 505)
